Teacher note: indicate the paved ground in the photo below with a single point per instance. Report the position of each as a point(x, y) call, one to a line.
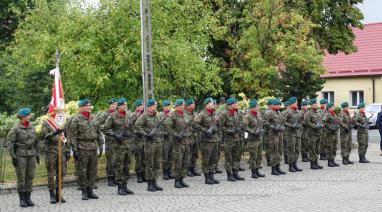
point(346, 188)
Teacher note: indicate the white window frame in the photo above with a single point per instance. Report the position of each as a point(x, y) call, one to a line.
point(358, 97)
point(330, 94)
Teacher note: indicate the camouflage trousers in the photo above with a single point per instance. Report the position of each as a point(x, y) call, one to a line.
point(25, 171)
point(167, 154)
point(109, 152)
point(331, 145)
point(88, 166)
point(255, 150)
point(274, 149)
point(139, 155)
point(194, 153)
point(51, 162)
point(181, 159)
point(313, 147)
point(346, 142)
point(293, 146)
point(232, 154)
point(363, 143)
point(323, 139)
point(210, 156)
point(122, 164)
point(304, 143)
point(153, 157)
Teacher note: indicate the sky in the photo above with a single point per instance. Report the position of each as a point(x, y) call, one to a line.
point(371, 10)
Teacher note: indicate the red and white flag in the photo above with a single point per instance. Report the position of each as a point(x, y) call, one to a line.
point(56, 113)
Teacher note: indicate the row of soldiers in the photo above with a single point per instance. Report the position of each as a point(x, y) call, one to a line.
point(173, 138)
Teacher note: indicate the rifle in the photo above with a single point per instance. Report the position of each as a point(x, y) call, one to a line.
point(260, 128)
point(155, 130)
point(298, 120)
point(214, 124)
point(319, 123)
point(280, 122)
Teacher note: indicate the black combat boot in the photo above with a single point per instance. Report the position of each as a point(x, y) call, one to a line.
point(274, 171)
point(291, 168)
point(286, 159)
point(85, 194)
point(128, 191)
point(254, 174)
point(331, 164)
point(258, 173)
point(185, 185)
point(217, 170)
point(139, 177)
point(344, 161)
point(334, 162)
point(296, 167)
point(318, 165)
point(349, 161)
point(91, 194)
point(150, 186)
point(157, 187)
point(121, 191)
point(110, 181)
point(178, 184)
point(279, 169)
point(313, 165)
point(237, 176)
point(305, 157)
point(165, 175)
point(365, 160)
point(211, 176)
point(62, 198)
point(52, 197)
point(23, 203)
point(208, 180)
point(230, 176)
point(195, 172)
point(189, 172)
point(170, 175)
point(322, 156)
point(28, 199)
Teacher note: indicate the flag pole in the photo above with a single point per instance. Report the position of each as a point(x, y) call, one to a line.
point(59, 150)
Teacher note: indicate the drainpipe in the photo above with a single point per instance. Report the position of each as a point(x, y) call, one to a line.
point(373, 81)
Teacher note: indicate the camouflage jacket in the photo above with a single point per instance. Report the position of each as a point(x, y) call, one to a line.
point(51, 140)
point(176, 124)
point(203, 122)
point(252, 125)
point(165, 133)
point(101, 120)
point(293, 121)
point(22, 141)
point(145, 124)
point(230, 125)
point(345, 122)
point(133, 118)
point(119, 125)
point(361, 122)
point(331, 123)
point(312, 120)
point(189, 116)
point(273, 122)
point(85, 133)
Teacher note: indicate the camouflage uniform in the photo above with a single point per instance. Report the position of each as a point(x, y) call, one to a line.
point(323, 137)
point(361, 122)
point(293, 123)
point(167, 153)
point(313, 121)
point(194, 147)
point(109, 145)
point(86, 139)
point(345, 134)
point(118, 127)
point(23, 147)
point(303, 132)
point(331, 126)
point(138, 149)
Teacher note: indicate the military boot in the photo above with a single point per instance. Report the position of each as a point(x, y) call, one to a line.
point(208, 180)
point(344, 161)
point(195, 172)
point(279, 169)
point(291, 168)
point(254, 174)
point(258, 173)
point(110, 181)
point(170, 174)
point(23, 203)
point(237, 176)
point(296, 167)
point(318, 165)
point(189, 173)
point(128, 191)
point(85, 194)
point(305, 157)
point(217, 170)
point(121, 191)
point(150, 186)
point(313, 165)
point(274, 171)
point(57, 194)
point(365, 160)
point(322, 156)
point(91, 194)
point(230, 176)
point(178, 184)
point(334, 162)
point(185, 185)
point(331, 164)
point(139, 177)
point(211, 176)
point(286, 159)
point(349, 161)
point(157, 187)
point(165, 175)
point(52, 197)
point(28, 199)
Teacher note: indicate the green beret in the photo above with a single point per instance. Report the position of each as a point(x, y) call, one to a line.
point(286, 103)
point(138, 102)
point(207, 100)
point(329, 105)
point(361, 105)
point(83, 102)
point(312, 101)
point(179, 102)
point(189, 102)
point(304, 103)
point(214, 100)
point(344, 104)
point(111, 101)
point(231, 101)
point(166, 103)
point(24, 112)
point(121, 101)
point(253, 103)
point(150, 102)
point(292, 100)
point(323, 101)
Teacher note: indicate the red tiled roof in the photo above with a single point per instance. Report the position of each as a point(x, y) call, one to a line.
point(367, 61)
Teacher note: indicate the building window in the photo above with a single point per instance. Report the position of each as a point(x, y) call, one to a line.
point(328, 95)
point(356, 97)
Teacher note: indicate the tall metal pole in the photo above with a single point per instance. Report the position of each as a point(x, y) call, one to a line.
point(59, 149)
point(147, 64)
